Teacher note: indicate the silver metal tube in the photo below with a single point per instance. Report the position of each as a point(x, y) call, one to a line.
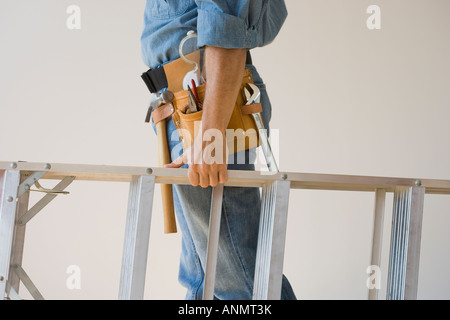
point(213, 242)
point(399, 243)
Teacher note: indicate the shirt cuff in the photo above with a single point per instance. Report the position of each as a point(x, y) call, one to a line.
point(218, 29)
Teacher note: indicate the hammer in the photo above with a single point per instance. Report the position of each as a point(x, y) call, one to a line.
point(156, 102)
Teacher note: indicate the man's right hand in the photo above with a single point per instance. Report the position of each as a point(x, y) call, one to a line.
point(207, 160)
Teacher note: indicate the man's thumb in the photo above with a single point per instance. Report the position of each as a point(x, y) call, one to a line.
point(177, 163)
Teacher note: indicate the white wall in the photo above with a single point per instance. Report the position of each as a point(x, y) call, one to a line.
point(347, 100)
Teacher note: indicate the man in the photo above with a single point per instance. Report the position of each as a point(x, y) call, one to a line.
point(226, 30)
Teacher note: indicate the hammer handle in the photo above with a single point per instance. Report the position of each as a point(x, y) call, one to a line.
point(166, 189)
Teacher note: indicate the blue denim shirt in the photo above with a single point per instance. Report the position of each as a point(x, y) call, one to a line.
point(219, 23)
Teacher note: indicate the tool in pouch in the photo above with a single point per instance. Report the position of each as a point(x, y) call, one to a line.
point(158, 101)
point(194, 104)
point(160, 109)
point(253, 95)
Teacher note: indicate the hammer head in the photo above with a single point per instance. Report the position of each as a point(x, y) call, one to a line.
point(159, 99)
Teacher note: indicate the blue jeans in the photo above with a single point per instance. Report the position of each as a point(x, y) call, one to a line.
point(238, 231)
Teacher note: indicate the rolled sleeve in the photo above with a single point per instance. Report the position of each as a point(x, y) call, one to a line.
point(239, 23)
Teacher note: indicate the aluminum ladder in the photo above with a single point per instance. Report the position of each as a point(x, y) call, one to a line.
point(17, 179)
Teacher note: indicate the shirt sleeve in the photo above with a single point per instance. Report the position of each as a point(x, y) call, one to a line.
point(239, 23)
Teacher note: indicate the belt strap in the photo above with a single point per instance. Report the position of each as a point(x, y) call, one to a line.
point(171, 74)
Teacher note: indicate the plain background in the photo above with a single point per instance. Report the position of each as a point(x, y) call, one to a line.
point(346, 99)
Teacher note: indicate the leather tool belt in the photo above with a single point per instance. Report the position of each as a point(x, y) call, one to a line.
point(171, 75)
point(242, 133)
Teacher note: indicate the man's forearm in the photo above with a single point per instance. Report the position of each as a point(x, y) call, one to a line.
point(223, 72)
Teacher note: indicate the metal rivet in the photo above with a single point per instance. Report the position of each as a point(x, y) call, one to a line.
point(13, 165)
point(10, 199)
point(47, 166)
point(2, 278)
point(149, 171)
point(27, 187)
point(284, 176)
point(418, 183)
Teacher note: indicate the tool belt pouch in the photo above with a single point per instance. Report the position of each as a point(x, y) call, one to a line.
point(242, 133)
